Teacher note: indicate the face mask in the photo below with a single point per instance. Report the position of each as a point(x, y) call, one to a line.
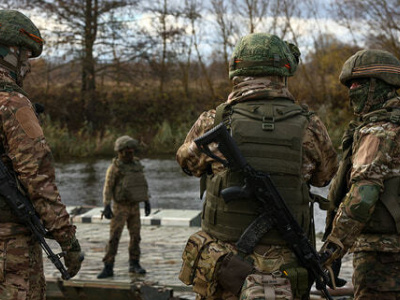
point(363, 101)
point(125, 155)
point(358, 97)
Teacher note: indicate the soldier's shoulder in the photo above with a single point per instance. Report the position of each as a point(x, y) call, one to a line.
point(315, 124)
point(13, 100)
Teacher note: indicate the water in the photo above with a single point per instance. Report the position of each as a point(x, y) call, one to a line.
point(81, 183)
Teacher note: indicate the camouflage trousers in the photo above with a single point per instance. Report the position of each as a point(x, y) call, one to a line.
point(376, 275)
point(21, 265)
point(129, 214)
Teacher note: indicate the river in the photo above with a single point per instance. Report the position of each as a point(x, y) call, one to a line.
point(81, 183)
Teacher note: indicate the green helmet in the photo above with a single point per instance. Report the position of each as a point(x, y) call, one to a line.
point(124, 142)
point(261, 54)
point(16, 29)
point(378, 64)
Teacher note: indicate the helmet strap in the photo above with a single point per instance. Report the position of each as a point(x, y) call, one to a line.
point(371, 93)
point(20, 79)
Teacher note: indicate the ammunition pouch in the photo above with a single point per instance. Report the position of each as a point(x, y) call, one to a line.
point(299, 279)
point(233, 272)
point(201, 259)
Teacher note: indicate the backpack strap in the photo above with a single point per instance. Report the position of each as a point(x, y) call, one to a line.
point(223, 113)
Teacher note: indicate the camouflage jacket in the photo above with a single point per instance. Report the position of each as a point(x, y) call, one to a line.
point(25, 145)
point(319, 157)
point(376, 158)
point(125, 183)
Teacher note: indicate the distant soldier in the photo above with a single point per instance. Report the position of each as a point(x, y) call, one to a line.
point(275, 135)
point(368, 180)
point(126, 186)
point(26, 152)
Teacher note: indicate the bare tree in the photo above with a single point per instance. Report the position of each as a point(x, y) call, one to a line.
point(377, 21)
point(77, 28)
point(193, 9)
point(225, 26)
point(253, 11)
point(165, 22)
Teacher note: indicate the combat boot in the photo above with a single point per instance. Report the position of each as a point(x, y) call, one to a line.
point(134, 267)
point(107, 271)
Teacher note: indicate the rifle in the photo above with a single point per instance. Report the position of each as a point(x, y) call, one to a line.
point(22, 207)
point(275, 213)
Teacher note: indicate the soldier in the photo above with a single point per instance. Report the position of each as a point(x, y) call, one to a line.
point(275, 135)
point(25, 150)
point(126, 185)
point(368, 219)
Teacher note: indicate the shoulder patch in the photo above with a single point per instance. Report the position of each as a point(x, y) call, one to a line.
point(29, 122)
point(367, 151)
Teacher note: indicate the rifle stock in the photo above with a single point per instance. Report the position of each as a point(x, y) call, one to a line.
point(25, 212)
point(276, 214)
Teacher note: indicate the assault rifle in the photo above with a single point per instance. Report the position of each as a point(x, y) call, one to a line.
point(22, 207)
point(275, 213)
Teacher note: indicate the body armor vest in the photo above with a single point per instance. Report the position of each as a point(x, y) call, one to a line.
point(131, 184)
point(269, 134)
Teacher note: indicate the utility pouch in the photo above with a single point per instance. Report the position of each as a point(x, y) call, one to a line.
point(205, 281)
point(191, 255)
point(233, 272)
point(266, 286)
point(298, 277)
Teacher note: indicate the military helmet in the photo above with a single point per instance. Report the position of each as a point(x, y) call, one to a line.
point(378, 64)
point(261, 54)
point(16, 29)
point(125, 141)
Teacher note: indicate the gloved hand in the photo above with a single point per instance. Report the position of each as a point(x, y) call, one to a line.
point(147, 208)
point(331, 260)
point(107, 212)
point(73, 257)
point(339, 282)
point(329, 252)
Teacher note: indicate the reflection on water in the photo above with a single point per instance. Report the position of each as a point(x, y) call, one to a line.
point(81, 183)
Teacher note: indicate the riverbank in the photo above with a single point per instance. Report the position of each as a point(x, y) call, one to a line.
point(161, 247)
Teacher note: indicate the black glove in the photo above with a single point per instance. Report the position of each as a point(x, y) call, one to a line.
point(147, 208)
point(339, 282)
point(332, 266)
point(73, 257)
point(107, 212)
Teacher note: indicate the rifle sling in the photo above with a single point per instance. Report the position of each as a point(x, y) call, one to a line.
point(253, 233)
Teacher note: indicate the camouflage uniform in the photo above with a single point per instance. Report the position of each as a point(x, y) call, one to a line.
point(25, 150)
point(126, 209)
point(364, 223)
point(203, 253)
